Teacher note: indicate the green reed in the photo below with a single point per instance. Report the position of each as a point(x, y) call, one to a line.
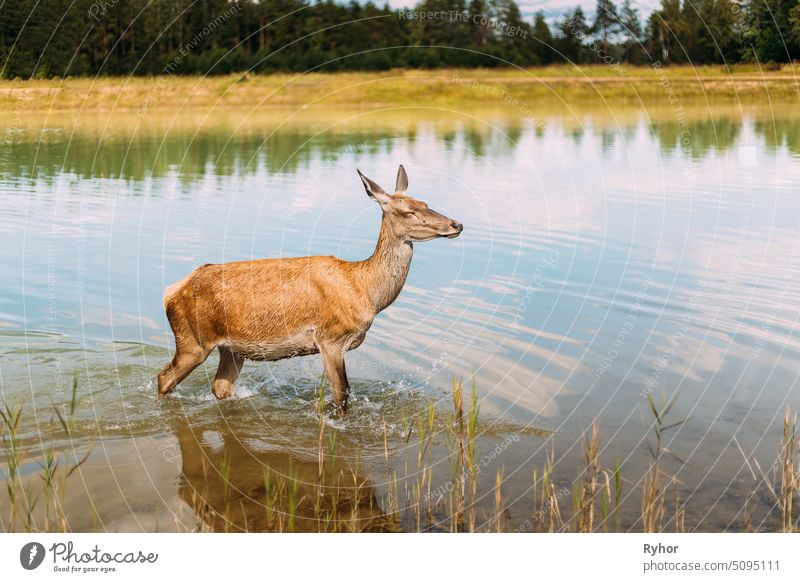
point(25, 495)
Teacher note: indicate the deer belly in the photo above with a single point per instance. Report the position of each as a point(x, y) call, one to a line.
point(301, 344)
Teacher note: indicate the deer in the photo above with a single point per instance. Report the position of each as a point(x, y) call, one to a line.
point(275, 308)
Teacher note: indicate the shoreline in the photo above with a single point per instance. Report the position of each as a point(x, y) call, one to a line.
point(439, 87)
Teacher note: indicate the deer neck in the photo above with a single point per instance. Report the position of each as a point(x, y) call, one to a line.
point(384, 273)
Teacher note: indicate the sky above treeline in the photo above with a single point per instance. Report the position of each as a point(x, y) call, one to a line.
point(551, 8)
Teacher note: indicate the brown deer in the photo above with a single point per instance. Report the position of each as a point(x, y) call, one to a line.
point(270, 309)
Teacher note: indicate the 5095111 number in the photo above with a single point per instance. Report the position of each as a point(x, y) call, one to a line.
point(755, 565)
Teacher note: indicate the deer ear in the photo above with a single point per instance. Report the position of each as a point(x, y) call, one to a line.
point(373, 190)
point(402, 180)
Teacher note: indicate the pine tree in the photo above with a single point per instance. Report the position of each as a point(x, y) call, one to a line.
point(606, 22)
point(573, 31)
point(544, 38)
point(631, 29)
point(480, 32)
point(666, 32)
point(770, 30)
point(794, 23)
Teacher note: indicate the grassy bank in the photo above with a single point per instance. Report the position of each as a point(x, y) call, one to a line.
point(514, 88)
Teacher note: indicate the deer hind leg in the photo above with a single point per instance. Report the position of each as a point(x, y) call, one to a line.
point(230, 365)
point(186, 359)
point(333, 361)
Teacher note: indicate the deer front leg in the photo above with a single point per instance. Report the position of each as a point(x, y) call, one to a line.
point(185, 360)
point(230, 365)
point(333, 361)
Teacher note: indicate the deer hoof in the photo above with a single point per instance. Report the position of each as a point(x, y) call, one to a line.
point(162, 392)
point(222, 392)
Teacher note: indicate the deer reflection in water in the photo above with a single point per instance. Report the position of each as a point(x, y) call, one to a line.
point(232, 484)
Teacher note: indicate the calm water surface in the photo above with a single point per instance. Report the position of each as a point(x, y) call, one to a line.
point(605, 257)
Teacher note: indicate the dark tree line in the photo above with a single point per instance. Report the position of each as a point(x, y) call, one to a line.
point(46, 38)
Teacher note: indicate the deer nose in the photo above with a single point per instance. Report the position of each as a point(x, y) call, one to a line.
point(457, 225)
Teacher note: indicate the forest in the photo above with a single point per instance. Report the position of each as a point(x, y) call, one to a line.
point(59, 38)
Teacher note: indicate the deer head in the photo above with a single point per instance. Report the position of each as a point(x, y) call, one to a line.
point(408, 218)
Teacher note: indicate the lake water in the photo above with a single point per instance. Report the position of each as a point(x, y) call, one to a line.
point(607, 255)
